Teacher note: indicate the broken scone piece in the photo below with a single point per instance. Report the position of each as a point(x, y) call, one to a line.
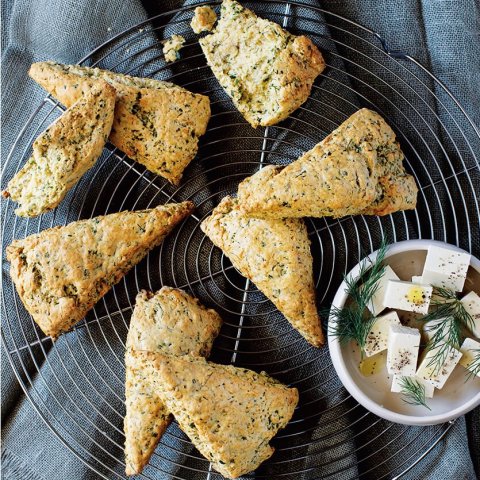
point(171, 48)
point(62, 272)
point(203, 20)
point(267, 72)
point(357, 169)
point(273, 254)
point(230, 414)
point(157, 124)
point(169, 321)
point(63, 153)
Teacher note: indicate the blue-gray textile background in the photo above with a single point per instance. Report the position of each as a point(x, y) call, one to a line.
point(444, 35)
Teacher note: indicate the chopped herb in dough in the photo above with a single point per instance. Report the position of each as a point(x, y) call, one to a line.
point(63, 153)
point(267, 72)
point(169, 321)
point(275, 255)
point(229, 413)
point(357, 169)
point(60, 273)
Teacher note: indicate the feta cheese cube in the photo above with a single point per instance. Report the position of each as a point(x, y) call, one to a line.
point(408, 296)
point(470, 349)
point(446, 268)
point(429, 372)
point(471, 302)
point(402, 353)
point(397, 385)
point(376, 304)
point(377, 338)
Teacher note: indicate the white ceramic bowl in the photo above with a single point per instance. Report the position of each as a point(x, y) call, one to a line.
point(457, 397)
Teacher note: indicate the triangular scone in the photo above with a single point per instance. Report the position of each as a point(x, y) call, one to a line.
point(230, 414)
point(64, 152)
point(62, 272)
point(156, 123)
point(275, 255)
point(172, 322)
point(357, 169)
point(267, 72)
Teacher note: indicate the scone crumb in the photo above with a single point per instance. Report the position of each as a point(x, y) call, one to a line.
point(172, 47)
point(203, 20)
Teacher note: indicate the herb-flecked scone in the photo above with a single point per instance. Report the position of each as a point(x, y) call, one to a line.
point(267, 72)
point(357, 169)
point(63, 153)
point(157, 124)
point(169, 321)
point(230, 414)
point(273, 254)
point(62, 272)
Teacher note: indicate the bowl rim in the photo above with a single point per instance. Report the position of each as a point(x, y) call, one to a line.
point(339, 363)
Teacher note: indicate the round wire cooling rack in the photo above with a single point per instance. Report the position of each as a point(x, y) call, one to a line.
point(76, 384)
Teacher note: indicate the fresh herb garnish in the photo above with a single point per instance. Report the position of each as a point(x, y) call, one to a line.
point(354, 321)
point(413, 392)
point(449, 317)
point(474, 367)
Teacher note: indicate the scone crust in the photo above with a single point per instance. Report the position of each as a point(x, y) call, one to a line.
point(229, 413)
point(275, 255)
point(63, 153)
point(157, 124)
point(60, 273)
point(267, 72)
point(356, 169)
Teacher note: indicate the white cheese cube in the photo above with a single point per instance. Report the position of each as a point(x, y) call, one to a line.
point(446, 268)
point(397, 385)
point(408, 296)
point(402, 354)
point(429, 372)
point(377, 338)
point(470, 349)
point(417, 279)
point(471, 302)
point(376, 305)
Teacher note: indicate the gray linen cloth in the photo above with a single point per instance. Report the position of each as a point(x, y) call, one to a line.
point(443, 35)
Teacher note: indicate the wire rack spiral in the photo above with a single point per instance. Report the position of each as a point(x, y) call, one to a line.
point(76, 384)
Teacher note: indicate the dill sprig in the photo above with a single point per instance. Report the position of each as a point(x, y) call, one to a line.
point(449, 318)
point(474, 367)
point(413, 392)
point(354, 321)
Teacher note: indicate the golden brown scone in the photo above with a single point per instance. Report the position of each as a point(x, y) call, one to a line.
point(267, 72)
point(357, 169)
point(62, 272)
point(156, 123)
point(204, 19)
point(169, 321)
point(275, 255)
point(63, 153)
point(230, 414)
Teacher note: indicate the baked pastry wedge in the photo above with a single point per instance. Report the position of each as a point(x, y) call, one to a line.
point(63, 153)
point(267, 72)
point(172, 322)
point(273, 254)
point(62, 272)
point(230, 414)
point(357, 169)
point(156, 123)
